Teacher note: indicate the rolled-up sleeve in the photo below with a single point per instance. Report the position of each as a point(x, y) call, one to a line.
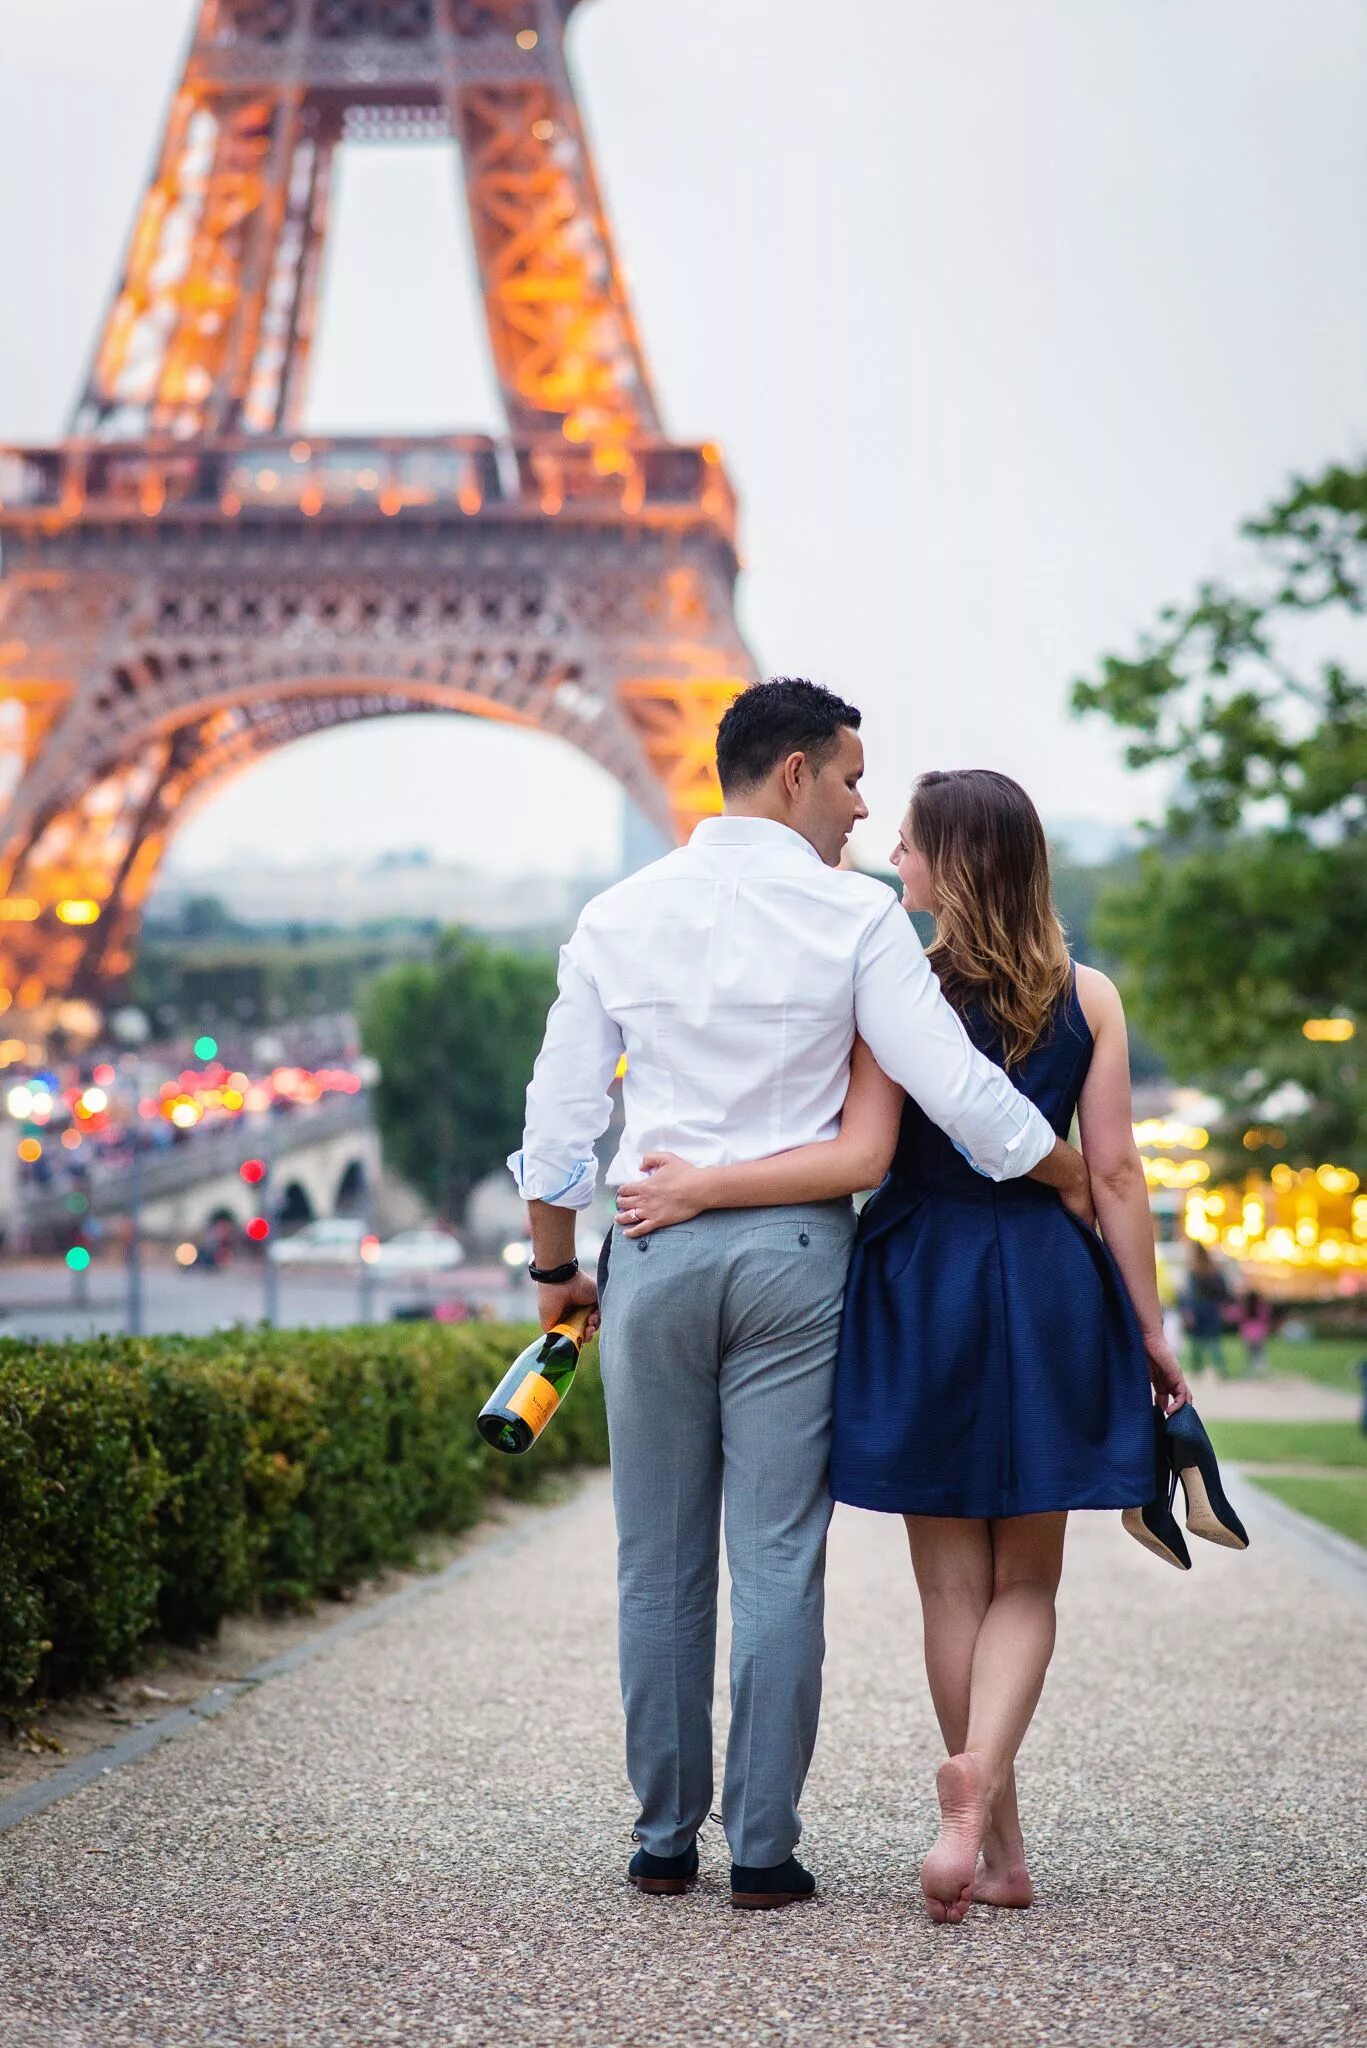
point(919, 1040)
point(568, 1101)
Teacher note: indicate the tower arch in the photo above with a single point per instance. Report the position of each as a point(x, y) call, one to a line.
point(188, 580)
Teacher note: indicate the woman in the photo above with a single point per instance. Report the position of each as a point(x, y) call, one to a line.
point(996, 1356)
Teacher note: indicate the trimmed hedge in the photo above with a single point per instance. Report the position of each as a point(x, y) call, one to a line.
point(153, 1485)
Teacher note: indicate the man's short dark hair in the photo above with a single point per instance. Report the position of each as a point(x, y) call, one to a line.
point(769, 721)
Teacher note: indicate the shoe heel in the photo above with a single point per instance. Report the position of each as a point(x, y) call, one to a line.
point(1209, 1513)
point(1163, 1538)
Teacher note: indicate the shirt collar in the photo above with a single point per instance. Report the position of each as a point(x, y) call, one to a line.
point(752, 832)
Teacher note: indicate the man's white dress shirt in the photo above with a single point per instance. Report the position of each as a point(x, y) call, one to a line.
point(734, 974)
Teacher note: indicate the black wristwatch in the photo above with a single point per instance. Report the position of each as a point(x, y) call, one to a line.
point(554, 1276)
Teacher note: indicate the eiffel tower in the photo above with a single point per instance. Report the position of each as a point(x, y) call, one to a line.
point(190, 581)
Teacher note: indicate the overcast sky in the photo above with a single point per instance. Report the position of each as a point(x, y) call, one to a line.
point(1005, 312)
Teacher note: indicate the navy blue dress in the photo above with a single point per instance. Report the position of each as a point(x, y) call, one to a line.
point(990, 1362)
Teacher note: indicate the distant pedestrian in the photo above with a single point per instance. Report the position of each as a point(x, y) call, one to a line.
point(1204, 1307)
point(1255, 1327)
point(1170, 1297)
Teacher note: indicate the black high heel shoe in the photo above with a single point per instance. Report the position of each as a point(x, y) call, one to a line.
point(1155, 1524)
point(1192, 1456)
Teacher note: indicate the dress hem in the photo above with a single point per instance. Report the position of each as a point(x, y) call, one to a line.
point(999, 1512)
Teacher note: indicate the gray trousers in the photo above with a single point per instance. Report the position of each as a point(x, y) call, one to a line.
point(718, 1347)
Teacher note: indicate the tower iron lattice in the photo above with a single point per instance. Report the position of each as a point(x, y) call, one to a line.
point(188, 580)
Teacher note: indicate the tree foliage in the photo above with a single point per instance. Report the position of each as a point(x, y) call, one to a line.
point(1248, 913)
point(455, 1038)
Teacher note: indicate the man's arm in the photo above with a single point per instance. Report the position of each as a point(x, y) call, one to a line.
point(568, 1106)
point(919, 1040)
point(1063, 1167)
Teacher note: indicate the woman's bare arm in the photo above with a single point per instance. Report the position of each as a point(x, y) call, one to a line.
point(1105, 1117)
point(671, 1191)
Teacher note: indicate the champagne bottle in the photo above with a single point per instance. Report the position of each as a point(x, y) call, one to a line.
point(533, 1387)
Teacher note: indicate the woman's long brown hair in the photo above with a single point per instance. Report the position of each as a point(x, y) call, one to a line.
point(998, 940)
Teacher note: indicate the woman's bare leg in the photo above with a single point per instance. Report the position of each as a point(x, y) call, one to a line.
point(1011, 1656)
point(953, 1563)
point(952, 1559)
point(1003, 1878)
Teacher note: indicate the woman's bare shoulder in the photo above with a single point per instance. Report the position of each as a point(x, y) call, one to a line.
point(1100, 999)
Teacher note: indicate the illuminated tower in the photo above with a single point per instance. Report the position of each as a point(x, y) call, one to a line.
point(188, 581)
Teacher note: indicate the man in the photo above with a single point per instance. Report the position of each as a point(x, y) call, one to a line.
point(734, 974)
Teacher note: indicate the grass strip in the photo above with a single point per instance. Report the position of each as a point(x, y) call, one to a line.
point(1329, 1361)
point(1340, 1504)
point(1291, 1443)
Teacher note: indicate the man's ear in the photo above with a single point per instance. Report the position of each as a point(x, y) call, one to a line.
point(796, 772)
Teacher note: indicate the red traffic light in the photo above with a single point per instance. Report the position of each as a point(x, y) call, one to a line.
point(258, 1229)
point(252, 1171)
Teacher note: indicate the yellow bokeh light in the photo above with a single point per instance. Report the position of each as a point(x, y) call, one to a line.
point(1329, 1030)
point(1166, 1131)
point(78, 910)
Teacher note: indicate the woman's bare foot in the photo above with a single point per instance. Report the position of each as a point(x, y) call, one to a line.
point(948, 1872)
point(1002, 1878)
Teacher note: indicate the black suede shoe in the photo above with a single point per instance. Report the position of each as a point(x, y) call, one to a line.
point(664, 1875)
point(1155, 1524)
point(755, 1889)
point(1192, 1456)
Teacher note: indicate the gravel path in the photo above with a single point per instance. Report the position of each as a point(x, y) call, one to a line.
point(420, 1837)
point(1282, 1398)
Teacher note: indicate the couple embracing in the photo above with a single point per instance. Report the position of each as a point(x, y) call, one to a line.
point(971, 1356)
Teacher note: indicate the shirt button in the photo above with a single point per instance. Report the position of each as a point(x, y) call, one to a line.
point(803, 1238)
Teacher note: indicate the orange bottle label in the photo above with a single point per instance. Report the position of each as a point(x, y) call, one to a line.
point(571, 1326)
point(535, 1401)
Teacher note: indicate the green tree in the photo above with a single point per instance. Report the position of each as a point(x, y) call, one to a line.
point(1247, 915)
point(455, 1038)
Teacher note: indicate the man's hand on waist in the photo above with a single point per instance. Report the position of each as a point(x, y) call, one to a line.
point(1066, 1170)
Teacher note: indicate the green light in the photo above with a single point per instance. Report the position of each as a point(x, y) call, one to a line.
point(77, 1204)
point(205, 1047)
point(78, 1258)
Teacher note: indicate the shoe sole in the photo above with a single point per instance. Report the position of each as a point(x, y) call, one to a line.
point(663, 1887)
point(768, 1902)
point(1202, 1519)
point(1133, 1521)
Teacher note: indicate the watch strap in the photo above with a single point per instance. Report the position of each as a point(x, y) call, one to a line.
point(553, 1276)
